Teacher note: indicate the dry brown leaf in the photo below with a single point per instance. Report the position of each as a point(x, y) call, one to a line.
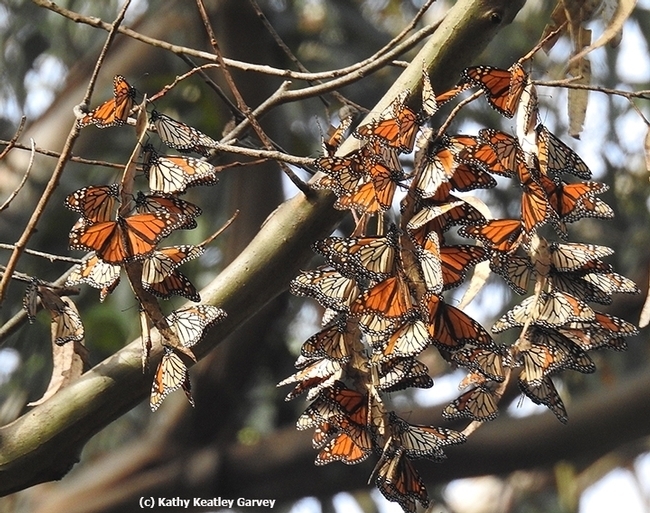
point(578, 98)
point(646, 147)
point(644, 319)
point(69, 360)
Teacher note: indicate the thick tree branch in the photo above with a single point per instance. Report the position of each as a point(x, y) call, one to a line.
point(44, 443)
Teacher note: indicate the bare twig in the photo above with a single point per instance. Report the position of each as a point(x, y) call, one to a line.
point(49, 256)
point(73, 158)
point(303, 162)
point(178, 79)
point(245, 66)
point(443, 128)
point(23, 181)
point(569, 84)
point(12, 143)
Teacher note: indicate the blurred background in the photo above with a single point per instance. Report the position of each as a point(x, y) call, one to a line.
point(240, 440)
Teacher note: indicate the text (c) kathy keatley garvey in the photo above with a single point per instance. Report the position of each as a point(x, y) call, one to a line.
point(179, 502)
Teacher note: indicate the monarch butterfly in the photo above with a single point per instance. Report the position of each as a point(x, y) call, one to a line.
point(503, 88)
point(429, 101)
point(370, 194)
point(456, 260)
point(544, 393)
point(550, 352)
point(336, 135)
point(575, 284)
point(360, 180)
point(615, 326)
point(322, 434)
point(174, 284)
point(180, 136)
point(351, 446)
point(497, 234)
point(170, 375)
point(113, 112)
point(331, 343)
point(364, 257)
point(399, 482)
point(488, 362)
point(165, 203)
point(330, 288)
point(516, 270)
point(30, 300)
point(389, 298)
point(577, 200)
point(428, 256)
point(396, 127)
point(439, 218)
point(422, 441)
point(96, 273)
point(449, 327)
point(549, 311)
point(443, 166)
point(314, 377)
point(611, 283)
point(478, 403)
point(174, 174)
point(555, 157)
point(593, 338)
point(162, 262)
point(401, 373)
point(126, 238)
point(572, 256)
point(409, 339)
point(535, 206)
point(189, 323)
point(67, 323)
point(496, 152)
point(336, 401)
point(95, 203)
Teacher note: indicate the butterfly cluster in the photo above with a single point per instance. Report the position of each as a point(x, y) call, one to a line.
point(383, 291)
point(121, 228)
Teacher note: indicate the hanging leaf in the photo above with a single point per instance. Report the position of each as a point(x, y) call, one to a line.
point(578, 98)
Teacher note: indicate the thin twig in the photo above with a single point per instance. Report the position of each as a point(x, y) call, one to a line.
point(48, 256)
point(443, 128)
point(73, 158)
point(245, 66)
point(237, 114)
point(23, 181)
point(12, 143)
point(569, 84)
point(178, 79)
point(304, 162)
point(56, 174)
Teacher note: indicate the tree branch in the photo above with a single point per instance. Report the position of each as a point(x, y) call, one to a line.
point(44, 443)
